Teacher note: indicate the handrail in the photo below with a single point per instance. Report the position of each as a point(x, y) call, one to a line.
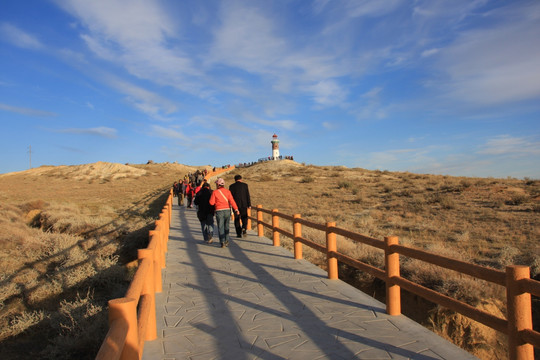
point(129, 328)
point(516, 279)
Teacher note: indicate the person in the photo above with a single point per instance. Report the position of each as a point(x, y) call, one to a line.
point(223, 201)
point(240, 193)
point(190, 193)
point(175, 189)
point(205, 212)
point(180, 193)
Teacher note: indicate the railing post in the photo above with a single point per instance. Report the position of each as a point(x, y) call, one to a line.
point(297, 232)
point(519, 313)
point(331, 246)
point(126, 308)
point(149, 290)
point(248, 225)
point(393, 291)
point(275, 225)
point(165, 229)
point(260, 228)
point(157, 259)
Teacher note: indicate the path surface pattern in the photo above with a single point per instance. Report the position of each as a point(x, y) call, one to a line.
point(255, 301)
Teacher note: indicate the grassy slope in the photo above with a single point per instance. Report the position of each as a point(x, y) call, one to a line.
point(57, 275)
point(491, 222)
point(92, 212)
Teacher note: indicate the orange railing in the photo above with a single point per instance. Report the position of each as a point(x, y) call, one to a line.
point(516, 279)
point(132, 319)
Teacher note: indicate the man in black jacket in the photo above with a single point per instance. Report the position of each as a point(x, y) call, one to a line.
point(240, 193)
point(205, 212)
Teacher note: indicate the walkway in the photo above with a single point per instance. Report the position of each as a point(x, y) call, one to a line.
point(255, 301)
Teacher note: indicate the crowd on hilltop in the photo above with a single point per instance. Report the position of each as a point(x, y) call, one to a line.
point(269, 158)
point(220, 203)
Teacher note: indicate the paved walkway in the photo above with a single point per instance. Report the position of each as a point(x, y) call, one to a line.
point(255, 301)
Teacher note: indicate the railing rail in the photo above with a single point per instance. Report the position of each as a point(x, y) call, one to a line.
point(516, 279)
point(132, 319)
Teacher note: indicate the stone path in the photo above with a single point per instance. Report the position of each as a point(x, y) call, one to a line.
point(255, 301)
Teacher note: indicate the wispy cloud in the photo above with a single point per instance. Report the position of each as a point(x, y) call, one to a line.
point(26, 111)
point(148, 102)
point(497, 63)
point(168, 133)
point(509, 145)
point(101, 131)
point(18, 37)
point(137, 38)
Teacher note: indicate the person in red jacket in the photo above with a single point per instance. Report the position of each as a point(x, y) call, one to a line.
point(190, 194)
point(223, 201)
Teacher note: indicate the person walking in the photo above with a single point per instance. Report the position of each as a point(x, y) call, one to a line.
point(205, 212)
point(190, 194)
point(240, 193)
point(223, 201)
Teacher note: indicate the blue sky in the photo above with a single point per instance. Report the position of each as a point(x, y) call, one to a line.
point(442, 87)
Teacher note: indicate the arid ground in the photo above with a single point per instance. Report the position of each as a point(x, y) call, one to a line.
point(70, 234)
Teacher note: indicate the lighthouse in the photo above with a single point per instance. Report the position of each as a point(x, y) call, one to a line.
point(275, 147)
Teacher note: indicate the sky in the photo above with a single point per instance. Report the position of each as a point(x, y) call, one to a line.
point(448, 87)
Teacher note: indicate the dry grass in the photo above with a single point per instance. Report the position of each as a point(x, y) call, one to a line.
point(491, 222)
point(67, 231)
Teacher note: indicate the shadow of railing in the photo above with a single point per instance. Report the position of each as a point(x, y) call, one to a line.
point(518, 326)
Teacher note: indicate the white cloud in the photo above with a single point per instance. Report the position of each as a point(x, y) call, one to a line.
point(509, 145)
point(328, 93)
point(168, 133)
point(101, 131)
point(150, 103)
point(26, 111)
point(137, 38)
point(19, 38)
point(429, 52)
point(498, 63)
point(329, 125)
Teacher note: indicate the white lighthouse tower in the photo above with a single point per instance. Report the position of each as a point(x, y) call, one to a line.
point(275, 147)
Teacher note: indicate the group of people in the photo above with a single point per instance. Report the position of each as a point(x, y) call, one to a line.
point(189, 186)
point(219, 203)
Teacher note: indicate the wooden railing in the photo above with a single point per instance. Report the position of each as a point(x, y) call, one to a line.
point(516, 279)
point(132, 319)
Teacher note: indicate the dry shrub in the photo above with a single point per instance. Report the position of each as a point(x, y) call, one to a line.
point(508, 255)
point(517, 199)
point(76, 275)
point(70, 218)
point(23, 322)
point(45, 293)
point(81, 324)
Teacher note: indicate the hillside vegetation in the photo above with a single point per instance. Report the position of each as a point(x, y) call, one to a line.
point(486, 221)
point(69, 232)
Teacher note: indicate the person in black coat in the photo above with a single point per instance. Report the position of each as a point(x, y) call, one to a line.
point(240, 193)
point(205, 212)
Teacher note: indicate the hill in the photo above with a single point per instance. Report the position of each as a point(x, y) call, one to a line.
point(69, 231)
point(486, 221)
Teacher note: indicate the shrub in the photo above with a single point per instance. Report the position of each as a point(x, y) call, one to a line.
point(344, 185)
point(307, 179)
point(517, 199)
point(23, 322)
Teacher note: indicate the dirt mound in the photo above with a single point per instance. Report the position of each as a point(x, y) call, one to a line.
point(180, 168)
point(99, 170)
point(470, 335)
